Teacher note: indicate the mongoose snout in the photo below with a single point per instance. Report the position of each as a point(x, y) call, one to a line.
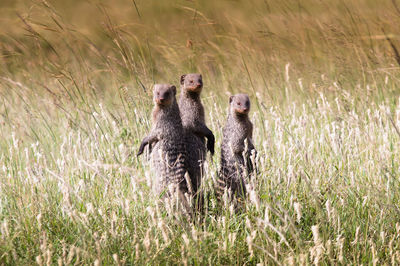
point(165, 103)
point(196, 130)
point(163, 94)
point(192, 82)
point(192, 110)
point(240, 104)
point(237, 149)
point(169, 157)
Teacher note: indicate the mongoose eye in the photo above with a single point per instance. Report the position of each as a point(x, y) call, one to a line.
point(239, 104)
point(191, 82)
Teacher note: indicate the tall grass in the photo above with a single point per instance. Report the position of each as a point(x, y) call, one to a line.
point(75, 86)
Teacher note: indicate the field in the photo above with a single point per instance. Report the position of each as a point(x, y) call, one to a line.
point(75, 102)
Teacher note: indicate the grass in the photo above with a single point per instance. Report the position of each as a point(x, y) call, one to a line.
point(75, 101)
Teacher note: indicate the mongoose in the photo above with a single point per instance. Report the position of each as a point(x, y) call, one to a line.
point(169, 157)
point(237, 148)
point(193, 121)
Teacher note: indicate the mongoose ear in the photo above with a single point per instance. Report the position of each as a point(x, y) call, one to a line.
point(183, 79)
point(173, 88)
point(230, 99)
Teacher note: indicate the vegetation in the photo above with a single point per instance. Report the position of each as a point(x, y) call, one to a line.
point(75, 101)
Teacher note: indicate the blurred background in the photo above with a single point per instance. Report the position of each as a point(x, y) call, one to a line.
point(237, 45)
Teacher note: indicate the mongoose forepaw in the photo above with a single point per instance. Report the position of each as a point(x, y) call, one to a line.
point(141, 148)
point(210, 147)
point(211, 143)
point(236, 159)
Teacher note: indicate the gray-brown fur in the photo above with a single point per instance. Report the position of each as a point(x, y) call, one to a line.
point(237, 148)
point(169, 157)
point(193, 120)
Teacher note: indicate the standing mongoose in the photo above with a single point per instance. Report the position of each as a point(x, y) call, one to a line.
point(193, 121)
point(169, 157)
point(237, 148)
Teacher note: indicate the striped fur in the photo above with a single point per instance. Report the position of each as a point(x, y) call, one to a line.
point(168, 156)
point(196, 156)
point(236, 149)
point(193, 120)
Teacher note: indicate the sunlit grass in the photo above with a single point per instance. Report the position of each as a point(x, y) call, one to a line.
point(75, 101)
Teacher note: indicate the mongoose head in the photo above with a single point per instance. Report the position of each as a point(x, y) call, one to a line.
point(239, 104)
point(192, 82)
point(164, 94)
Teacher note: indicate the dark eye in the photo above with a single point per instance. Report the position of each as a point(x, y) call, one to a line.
point(239, 103)
point(158, 94)
point(191, 81)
